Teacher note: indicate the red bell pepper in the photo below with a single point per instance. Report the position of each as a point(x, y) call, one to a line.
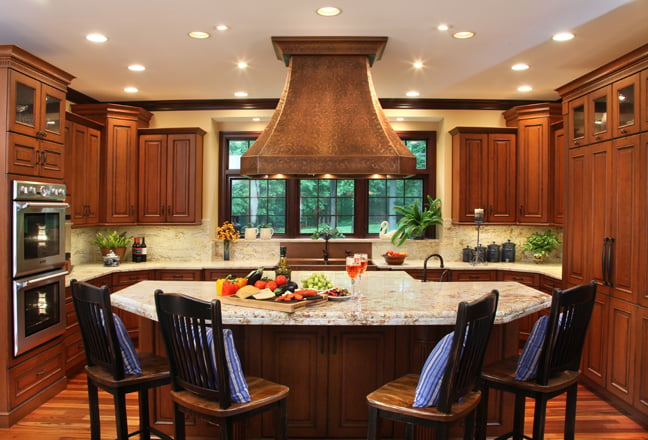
point(230, 287)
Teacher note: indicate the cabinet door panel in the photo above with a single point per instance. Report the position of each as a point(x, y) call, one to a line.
point(559, 171)
point(152, 170)
point(296, 357)
point(52, 160)
point(23, 155)
point(121, 171)
point(625, 106)
point(627, 219)
point(533, 182)
point(594, 359)
point(92, 176)
point(25, 99)
point(578, 231)
point(621, 350)
point(600, 181)
point(361, 361)
point(181, 179)
point(470, 154)
point(501, 177)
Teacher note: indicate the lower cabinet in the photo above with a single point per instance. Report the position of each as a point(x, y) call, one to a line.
point(621, 350)
point(337, 365)
point(641, 394)
point(594, 358)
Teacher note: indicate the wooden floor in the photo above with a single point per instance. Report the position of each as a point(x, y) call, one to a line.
point(65, 417)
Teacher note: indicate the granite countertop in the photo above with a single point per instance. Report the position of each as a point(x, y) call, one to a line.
point(386, 298)
point(85, 272)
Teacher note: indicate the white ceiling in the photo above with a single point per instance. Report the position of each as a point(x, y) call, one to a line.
point(154, 33)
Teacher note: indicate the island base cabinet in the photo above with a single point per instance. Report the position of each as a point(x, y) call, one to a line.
point(330, 370)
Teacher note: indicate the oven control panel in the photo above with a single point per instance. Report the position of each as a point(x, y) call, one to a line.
point(35, 191)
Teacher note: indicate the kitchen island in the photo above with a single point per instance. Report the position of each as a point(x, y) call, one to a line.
point(331, 355)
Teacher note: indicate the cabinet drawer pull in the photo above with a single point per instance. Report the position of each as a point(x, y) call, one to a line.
point(473, 277)
point(40, 373)
point(177, 276)
point(517, 278)
point(624, 131)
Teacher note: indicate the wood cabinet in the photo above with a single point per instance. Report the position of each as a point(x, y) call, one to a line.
point(474, 275)
point(119, 157)
point(641, 365)
point(170, 175)
point(483, 173)
point(82, 178)
point(625, 106)
point(605, 235)
point(178, 274)
point(338, 364)
point(33, 115)
point(120, 280)
point(535, 160)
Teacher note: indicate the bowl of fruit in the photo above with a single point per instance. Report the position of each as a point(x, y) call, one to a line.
point(394, 258)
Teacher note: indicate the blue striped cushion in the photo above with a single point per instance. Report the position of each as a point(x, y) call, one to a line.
point(131, 360)
point(238, 384)
point(428, 388)
point(527, 366)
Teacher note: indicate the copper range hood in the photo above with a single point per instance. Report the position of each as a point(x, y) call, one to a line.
point(329, 122)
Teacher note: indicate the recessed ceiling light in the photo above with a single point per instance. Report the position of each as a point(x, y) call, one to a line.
point(241, 94)
point(462, 35)
point(329, 11)
point(520, 66)
point(222, 27)
point(256, 119)
point(417, 64)
point(136, 68)
point(131, 89)
point(97, 38)
point(199, 35)
point(400, 119)
point(443, 27)
point(412, 93)
point(563, 36)
point(242, 65)
point(524, 89)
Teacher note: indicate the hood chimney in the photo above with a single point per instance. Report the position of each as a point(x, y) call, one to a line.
point(328, 122)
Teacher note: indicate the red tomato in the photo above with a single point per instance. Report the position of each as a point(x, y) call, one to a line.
point(281, 280)
point(272, 285)
point(260, 284)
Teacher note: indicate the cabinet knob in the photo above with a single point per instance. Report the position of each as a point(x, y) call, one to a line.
point(624, 131)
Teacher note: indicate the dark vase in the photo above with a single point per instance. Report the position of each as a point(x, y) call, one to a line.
point(226, 250)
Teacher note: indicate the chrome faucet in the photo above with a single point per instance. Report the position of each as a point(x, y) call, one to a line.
point(425, 262)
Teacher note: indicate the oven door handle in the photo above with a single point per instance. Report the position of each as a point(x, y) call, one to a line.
point(45, 277)
point(25, 205)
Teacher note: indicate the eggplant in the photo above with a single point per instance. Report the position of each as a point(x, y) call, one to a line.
point(254, 276)
point(290, 286)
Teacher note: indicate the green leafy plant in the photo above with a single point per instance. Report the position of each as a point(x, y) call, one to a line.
point(542, 244)
point(265, 225)
point(415, 221)
point(326, 232)
point(112, 240)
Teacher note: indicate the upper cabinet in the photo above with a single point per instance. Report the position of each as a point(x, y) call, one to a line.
point(625, 106)
point(34, 113)
point(535, 160)
point(119, 158)
point(82, 169)
point(170, 175)
point(483, 173)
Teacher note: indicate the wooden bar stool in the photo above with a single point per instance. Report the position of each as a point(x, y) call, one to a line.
point(207, 380)
point(107, 350)
point(559, 340)
point(458, 397)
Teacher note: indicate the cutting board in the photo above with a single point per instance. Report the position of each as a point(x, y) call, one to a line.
point(281, 306)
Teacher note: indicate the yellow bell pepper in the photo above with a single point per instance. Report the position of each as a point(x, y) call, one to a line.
point(219, 286)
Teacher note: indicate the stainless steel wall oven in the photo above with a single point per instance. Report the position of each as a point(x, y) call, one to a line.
point(38, 246)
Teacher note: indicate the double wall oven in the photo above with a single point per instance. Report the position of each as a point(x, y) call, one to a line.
point(38, 247)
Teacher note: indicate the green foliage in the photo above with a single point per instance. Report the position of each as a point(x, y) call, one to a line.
point(415, 220)
point(542, 244)
point(112, 240)
point(324, 231)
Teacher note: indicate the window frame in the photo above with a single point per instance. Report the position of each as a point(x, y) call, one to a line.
point(360, 225)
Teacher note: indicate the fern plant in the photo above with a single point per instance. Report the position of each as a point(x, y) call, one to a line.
point(415, 221)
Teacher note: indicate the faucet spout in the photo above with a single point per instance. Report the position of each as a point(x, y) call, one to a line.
point(425, 263)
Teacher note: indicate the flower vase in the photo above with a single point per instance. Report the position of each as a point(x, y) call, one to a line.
point(226, 250)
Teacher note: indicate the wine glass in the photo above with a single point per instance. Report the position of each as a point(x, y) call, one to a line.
point(353, 268)
point(364, 260)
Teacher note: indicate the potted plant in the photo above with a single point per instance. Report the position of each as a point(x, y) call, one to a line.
point(113, 240)
point(265, 231)
point(541, 245)
point(250, 232)
point(415, 221)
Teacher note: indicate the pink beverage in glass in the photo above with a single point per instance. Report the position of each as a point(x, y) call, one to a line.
point(364, 260)
point(354, 269)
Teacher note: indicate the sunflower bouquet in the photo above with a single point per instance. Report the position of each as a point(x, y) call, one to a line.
point(227, 232)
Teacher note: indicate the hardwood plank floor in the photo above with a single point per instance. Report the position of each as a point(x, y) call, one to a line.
point(65, 417)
